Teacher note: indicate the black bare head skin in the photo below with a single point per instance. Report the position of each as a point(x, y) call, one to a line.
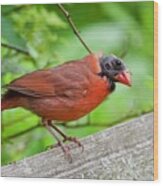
point(111, 66)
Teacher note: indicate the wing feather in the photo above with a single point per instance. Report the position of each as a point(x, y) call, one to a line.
point(64, 80)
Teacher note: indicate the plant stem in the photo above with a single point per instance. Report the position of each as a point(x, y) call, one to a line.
point(72, 25)
point(120, 120)
point(15, 48)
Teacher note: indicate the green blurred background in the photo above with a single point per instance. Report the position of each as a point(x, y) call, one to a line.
point(44, 34)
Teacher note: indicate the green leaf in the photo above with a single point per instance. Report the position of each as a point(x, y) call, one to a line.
point(10, 35)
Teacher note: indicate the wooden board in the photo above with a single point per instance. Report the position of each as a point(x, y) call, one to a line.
point(121, 152)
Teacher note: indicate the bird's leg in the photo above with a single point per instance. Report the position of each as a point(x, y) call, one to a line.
point(66, 150)
point(68, 138)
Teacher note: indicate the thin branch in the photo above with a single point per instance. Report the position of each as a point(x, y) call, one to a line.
point(20, 50)
point(74, 126)
point(78, 125)
point(16, 120)
point(72, 25)
point(21, 133)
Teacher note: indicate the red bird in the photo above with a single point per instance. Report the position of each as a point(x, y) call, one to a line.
point(67, 92)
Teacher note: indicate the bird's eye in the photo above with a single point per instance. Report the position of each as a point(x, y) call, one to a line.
point(107, 66)
point(118, 62)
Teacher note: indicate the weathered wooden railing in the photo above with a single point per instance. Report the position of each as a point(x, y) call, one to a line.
point(124, 151)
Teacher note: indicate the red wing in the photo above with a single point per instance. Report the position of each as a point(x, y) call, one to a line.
point(64, 80)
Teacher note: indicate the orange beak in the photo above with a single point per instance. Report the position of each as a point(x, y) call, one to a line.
point(124, 78)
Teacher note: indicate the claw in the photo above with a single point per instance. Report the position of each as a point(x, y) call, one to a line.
point(67, 138)
point(75, 140)
point(66, 150)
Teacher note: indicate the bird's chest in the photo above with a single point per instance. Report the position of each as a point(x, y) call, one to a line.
point(90, 99)
point(94, 95)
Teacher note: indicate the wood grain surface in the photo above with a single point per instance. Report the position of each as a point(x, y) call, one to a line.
point(123, 152)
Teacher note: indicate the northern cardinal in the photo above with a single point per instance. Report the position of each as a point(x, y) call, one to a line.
point(67, 92)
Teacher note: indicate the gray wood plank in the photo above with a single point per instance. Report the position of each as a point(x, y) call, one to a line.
point(124, 151)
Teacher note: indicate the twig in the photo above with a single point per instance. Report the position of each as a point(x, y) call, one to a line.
point(21, 133)
point(15, 48)
point(20, 50)
point(16, 120)
point(72, 25)
point(79, 125)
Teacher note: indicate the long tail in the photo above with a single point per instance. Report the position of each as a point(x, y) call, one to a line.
point(8, 101)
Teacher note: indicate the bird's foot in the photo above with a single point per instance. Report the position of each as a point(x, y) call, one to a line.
point(74, 140)
point(70, 139)
point(66, 150)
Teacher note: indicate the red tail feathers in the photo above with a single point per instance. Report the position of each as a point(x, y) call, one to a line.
point(7, 104)
point(9, 100)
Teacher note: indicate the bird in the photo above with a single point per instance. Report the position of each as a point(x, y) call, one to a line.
point(67, 92)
